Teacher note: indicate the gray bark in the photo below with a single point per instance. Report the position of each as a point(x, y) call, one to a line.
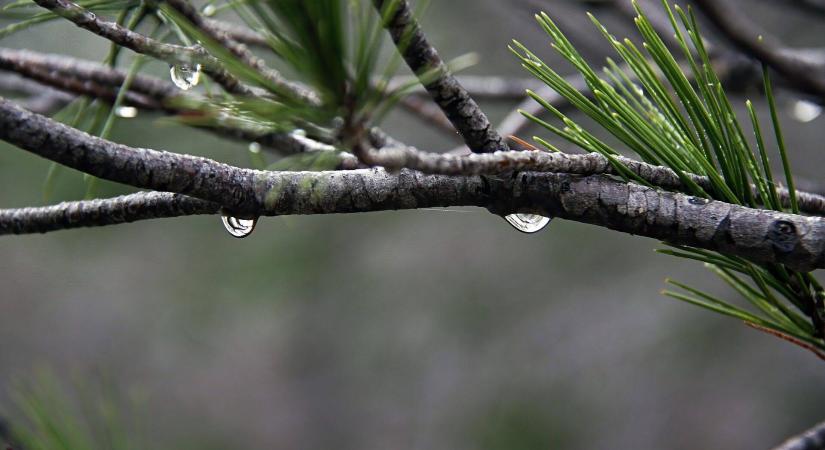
point(759, 235)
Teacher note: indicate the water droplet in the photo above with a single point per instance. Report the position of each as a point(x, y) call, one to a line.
point(528, 223)
point(805, 111)
point(185, 76)
point(698, 201)
point(127, 112)
point(209, 10)
point(255, 147)
point(239, 228)
point(299, 132)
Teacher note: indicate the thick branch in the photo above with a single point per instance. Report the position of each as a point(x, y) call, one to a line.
point(398, 157)
point(762, 236)
point(463, 112)
point(94, 213)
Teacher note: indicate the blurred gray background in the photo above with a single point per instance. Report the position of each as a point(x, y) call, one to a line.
point(425, 329)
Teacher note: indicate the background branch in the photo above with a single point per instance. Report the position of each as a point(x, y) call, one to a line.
point(807, 77)
point(813, 439)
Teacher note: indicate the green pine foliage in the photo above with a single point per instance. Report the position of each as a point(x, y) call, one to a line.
point(678, 116)
point(335, 46)
point(49, 413)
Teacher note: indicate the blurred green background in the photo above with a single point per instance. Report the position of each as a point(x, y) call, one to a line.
point(420, 330)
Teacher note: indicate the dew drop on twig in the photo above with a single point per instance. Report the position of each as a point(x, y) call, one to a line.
point(185, 76)
point(126, 112)
point(528, 223)
point(209, 10)
point(805, 111)
point(239, 228)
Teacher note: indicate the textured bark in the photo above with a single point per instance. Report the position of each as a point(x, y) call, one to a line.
point(95, 213)
point(173, 54)
point(536, 161)
point(462, 111)
point(759, 235)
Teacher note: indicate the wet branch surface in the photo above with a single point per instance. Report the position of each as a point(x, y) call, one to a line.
point(759, 235)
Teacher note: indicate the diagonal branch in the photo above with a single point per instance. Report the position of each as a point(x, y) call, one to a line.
point(813, 439)
point(462, 111)
point(173, 54)
point(185, 8)
point(238, 33)
point(800, 72)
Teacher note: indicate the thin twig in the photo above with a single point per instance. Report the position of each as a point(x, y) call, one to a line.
point(243, 54)
point(82, 77)
point(102, 212)
point(239, 33)
point(173, 54)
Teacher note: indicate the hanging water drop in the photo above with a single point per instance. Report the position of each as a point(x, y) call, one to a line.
point(239, 228)
point(254, 147)
point(126, 112)
point(185, 76)
point(805, 111)
point(209, 10)
point(528, 223)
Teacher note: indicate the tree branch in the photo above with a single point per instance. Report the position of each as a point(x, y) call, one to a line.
point(95, 213)
point(100, 81)
point(397, 157)
point(745, 35)
point(173, 54)
point(239, 33)
point(759, 235)
point(298, 92)
point(813, 439)
point(462, 111)
point(37, 97)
